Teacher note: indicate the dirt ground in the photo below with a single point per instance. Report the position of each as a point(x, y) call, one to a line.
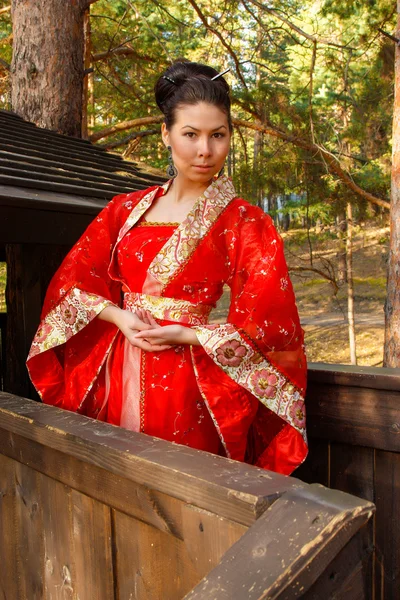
point(324, 313)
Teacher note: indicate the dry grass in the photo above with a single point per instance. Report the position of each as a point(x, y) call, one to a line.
point(317, 301)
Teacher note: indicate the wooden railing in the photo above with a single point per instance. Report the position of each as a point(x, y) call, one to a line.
point(353, 422)
point(3, 325)
point(95, 512)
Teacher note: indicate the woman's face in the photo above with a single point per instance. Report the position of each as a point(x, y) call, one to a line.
point(199, 140)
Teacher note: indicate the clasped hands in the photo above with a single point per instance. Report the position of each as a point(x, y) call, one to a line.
point(142, 330)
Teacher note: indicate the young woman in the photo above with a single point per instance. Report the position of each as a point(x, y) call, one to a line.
point(151, 362)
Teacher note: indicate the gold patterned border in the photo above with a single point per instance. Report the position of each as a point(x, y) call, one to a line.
point(169, 309)
point(185, 239)
point(72, 313)
point(250, 369)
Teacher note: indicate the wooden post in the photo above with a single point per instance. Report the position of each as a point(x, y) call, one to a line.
point(392, 307)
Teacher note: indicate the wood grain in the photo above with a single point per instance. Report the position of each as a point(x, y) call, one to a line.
point(8, 530)
point(211, 482)
point(387, 499)
point(354, 415)
point(150, 564)
point(288, 548)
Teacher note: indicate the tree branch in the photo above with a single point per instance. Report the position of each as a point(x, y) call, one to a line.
point(121, 51)
point(129, 138)
point(123, 126)
point(221, 38)
point(5, 9)
point(332, 162)
point(297, 29)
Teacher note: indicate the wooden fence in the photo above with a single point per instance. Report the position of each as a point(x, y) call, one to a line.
point(354, 433)
point(90, 511)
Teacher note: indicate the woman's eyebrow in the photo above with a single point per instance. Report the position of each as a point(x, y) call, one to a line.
point(195, 129)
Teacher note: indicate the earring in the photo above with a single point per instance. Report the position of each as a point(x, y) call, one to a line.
point(171, 169)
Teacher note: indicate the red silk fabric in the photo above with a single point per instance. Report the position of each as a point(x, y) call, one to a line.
point(185, 394)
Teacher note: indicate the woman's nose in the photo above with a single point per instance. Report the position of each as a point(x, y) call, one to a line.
point(204, 147)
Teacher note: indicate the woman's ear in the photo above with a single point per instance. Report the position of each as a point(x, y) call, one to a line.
point(165, 134)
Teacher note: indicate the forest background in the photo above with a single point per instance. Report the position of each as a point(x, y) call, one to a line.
point(313, 91)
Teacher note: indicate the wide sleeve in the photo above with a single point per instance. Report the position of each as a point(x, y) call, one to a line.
point(260, 350)
point(71, 345)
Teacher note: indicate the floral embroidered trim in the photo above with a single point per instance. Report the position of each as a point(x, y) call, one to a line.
point(73, 313)
point(157, 224)
point(217, 427)
point(250, 369)
point(180, 246)
point(169, 309)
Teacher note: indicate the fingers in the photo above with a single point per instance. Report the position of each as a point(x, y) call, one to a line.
point(152, 320)
point(145, 345)
point(147, 319)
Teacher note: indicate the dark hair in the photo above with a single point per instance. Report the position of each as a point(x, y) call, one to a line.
point(187, 82)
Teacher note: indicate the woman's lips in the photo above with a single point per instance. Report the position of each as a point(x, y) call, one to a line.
point(203, 167)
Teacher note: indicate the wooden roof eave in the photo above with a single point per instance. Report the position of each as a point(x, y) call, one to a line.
point(16, 197)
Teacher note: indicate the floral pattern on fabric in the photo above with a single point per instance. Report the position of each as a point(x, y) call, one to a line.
point(169, 309)
point(253, 372)
point(187, 236)
point(71, 315)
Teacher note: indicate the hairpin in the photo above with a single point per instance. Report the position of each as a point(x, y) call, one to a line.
point(219, 75)
point(169, 79)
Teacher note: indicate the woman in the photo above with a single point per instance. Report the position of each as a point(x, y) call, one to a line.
point(152, 363)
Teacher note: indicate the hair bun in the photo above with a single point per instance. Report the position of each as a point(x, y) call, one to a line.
point(186, 82)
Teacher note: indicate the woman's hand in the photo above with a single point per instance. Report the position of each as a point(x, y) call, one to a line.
point(130, 324)
point(171, 335)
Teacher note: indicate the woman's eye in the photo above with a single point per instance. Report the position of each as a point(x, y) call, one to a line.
point(218, 135)
point(190, 134)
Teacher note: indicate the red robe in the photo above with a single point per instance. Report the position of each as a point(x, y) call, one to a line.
point(241, 392)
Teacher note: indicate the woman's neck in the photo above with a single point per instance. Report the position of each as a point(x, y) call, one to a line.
point(182, 190)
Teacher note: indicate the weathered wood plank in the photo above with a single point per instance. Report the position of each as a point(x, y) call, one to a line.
point(30, 562)
point(24, 198)
point(207, 537)
point(211, 482)
point(343, 578)
point(378, 378)
point(286, 550)
point(152, 507)
point(67, 188)
point(352, 469)
point(150, 564)
point(92, 548)
point(64, 176)
point(8, 530)
point(60, 567)
point(315, 468)
point(354, 415)
point(387, 499)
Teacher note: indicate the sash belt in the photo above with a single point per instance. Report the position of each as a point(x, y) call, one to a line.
point(168, 309)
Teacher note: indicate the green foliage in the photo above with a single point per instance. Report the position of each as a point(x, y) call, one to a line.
point(336, 93)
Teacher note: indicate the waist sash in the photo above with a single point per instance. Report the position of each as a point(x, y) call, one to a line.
point(168, 309)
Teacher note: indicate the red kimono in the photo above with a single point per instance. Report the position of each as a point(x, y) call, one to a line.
point(241, 393)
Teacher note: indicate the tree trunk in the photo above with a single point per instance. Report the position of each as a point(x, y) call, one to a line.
point(47, 68)
point(341, 225)
point(87, 63)
point(350, 285)
point(392, 307)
